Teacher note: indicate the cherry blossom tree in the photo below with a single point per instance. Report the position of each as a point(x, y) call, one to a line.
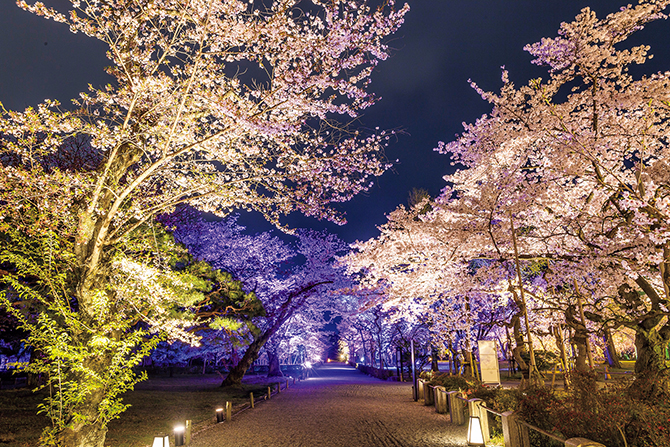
point(579, 162)
point(221, 104)
point(293, 283)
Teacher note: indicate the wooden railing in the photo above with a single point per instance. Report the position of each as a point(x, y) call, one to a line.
point(516, 432)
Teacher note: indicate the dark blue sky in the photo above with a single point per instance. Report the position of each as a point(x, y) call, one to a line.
point(423, 86)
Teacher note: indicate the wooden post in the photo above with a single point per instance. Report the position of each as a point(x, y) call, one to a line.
point(287, 384)
point(251, 399)
point(511, 431)
point(441, 401)
point(278, 387)
point(415, 391)
point(229, 411)
point(456, 408)
point(187, 432)
point(269, 392)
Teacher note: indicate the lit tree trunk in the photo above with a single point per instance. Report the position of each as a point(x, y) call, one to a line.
point(519, 343)
point(236, 373)
point(612, 355)
point(579, 336)
point(434, 366)
point(652, 335)
point(274, 367)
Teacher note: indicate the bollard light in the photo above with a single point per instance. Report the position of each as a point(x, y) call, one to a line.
point(219, 415)
point(179, 435)
point(475, 433)
point(161, 441)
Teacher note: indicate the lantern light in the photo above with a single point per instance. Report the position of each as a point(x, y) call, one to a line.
point(179, 435)
point(161, 441)
point(219, 415)
point(475, 433)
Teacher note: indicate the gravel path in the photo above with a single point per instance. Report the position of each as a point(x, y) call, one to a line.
point(338, 406)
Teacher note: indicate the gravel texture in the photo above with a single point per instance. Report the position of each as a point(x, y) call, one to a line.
point(337, 406)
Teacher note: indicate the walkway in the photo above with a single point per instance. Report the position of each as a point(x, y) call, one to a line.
point(337, 406)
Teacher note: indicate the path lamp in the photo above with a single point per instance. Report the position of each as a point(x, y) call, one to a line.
point(219, 415)
point(161, 441)
point(475, 433)
point(179, 435)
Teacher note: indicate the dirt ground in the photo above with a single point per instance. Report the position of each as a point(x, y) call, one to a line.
point(337, 406)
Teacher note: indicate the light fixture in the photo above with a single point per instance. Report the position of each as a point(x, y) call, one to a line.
point(161, 441)
point(308, 364)
point(179, 435)
point(475, 433)
point(219, 415)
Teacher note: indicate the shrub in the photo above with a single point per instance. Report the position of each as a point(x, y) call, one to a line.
point(452, 382)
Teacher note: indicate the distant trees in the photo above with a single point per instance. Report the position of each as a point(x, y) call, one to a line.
point(292, 282)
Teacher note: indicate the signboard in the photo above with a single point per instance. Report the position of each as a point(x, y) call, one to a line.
point(488, 361)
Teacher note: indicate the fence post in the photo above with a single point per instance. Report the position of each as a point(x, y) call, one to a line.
point(456, 408)
point(581, 442)
point(187, 432)
point(428, 395)
point(420, 389)
point(441, 400)
point(251, 399)
point(476, 410)
point(511, 430)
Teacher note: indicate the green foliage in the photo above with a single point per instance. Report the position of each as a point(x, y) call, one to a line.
point(69, 348)
point(451, 382)
point(87, 359)
point(544, 360)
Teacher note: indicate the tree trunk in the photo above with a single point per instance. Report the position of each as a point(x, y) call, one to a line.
point(612, 356)
point(652, 377)
point(434, 366)
point(274, 368)
point(88, 430)
point(468, 369)
point(236, 373)
point(520, 344)
point(579, 336)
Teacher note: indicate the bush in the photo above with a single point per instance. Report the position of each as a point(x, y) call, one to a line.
point(544, 360)
point(451, 382)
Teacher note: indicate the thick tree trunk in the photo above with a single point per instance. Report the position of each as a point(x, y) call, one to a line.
point(274, 368)
point(520, 344)
point(579, 336)
point(236, 373)
point(88, 430)
point(652, 376)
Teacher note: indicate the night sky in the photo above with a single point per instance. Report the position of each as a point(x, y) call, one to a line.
point(423, 86)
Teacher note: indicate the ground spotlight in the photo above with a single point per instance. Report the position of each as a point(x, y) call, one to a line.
point(475, 433)
point(179, 435)
point(161, 441)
